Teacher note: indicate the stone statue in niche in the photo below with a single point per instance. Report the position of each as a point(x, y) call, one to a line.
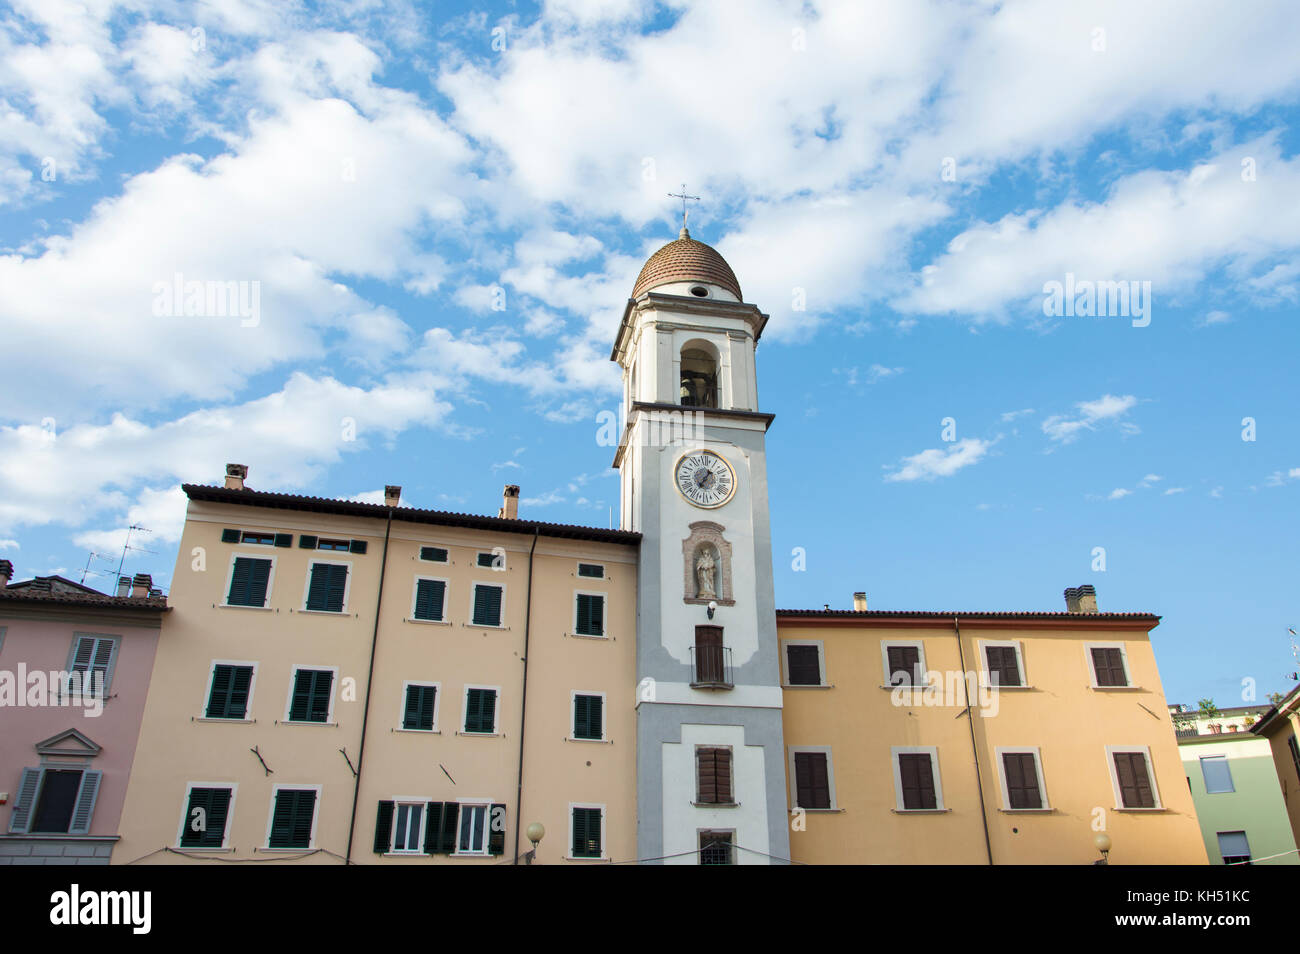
point(705, 567)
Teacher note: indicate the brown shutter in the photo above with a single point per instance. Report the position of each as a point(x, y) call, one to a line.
point(723, 761)
point(708, 654)
point(706, 773)
point(1022, 780)
point(1108, 664)
point(1134, 781)
point(1002, 661)
point(907, 661)
point(917, 774)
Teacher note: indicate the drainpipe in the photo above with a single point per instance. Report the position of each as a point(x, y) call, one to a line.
point(975, 752)
point(523, 696)
point(370, 681)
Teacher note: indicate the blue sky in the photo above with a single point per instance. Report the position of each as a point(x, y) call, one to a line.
point(443, 210)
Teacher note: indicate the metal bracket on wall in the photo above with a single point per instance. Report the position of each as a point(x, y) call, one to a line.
point(260, 759)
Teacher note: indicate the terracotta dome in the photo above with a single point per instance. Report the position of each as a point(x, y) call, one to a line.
point(686, 260)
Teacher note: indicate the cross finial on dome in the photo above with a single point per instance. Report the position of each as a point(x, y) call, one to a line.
point(683, 196)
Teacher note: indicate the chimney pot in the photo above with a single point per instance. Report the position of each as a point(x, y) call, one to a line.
point(392, 495)
point(141, 585)
point(1081, 599)
point(859, 602)
point(123, 586)
point(6, 572)
point(510, 502)
point(235, 474)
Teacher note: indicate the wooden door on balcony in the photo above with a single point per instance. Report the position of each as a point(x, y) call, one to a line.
point(708, 654)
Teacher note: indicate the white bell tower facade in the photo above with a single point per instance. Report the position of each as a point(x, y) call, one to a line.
point(711, 774)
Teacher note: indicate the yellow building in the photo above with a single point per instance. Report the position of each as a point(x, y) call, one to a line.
point(1067, 724)
point(1281, 726)
point(313, 639)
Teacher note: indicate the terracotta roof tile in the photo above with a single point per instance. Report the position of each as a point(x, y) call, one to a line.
point(684, 260)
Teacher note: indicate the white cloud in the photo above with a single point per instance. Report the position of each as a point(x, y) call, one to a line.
point(1118, 493)
point(1174, 490)
point(9, 545)
point(1065, 429)
point(1012, 415)
point(935, 462)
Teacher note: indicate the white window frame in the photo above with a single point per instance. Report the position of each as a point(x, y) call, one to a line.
point(573, 714)
point(230, 576)
point(334, 692)
point(1036, 752)
point(347, 587)
point(270, 815)
point(830, 776)
point(464, 712)
point(473, 595)
point(505, 563)
point(252, 543)
point(884, 663)
point(437, 705)
point(1092, 671)
point(821, 662)
point(207, 693)
point(230, 814)
point(985, 681)
point(412, 802)
point(930, 750)
point(446, 594)
point(604, 843)
point(577, 564)
point(1227, 765)
point(475, 803)
point(604, 613)
point(109, 671)
point(1111, 751)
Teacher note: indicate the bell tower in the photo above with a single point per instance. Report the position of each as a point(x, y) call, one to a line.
point(711, 774)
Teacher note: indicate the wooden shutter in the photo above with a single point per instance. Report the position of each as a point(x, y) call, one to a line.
point(248, 582)
point(487, 605)
point(429, 599)
point(284, 539)
point(21, 817)
point(586, 833)
point(480, 710)
point(496, 839)
point(328, 584)
point(724, 776)
point(1108, 665)
point(237, 701)
point(713, 775)
point(411, 714)
point(384, 828)
point(219, 696)
point(306, 542)
point(588, 717)
point(447, 833)
point(85, 806)
point(591, 615)
point(433, 554)
point(917, 774)
point(1022, 780)
point(215, 806)
point(291, 822)
point(904, 660)
point(708, 654)
point(357, 546)
point(229, 536)
point(803, 665)
point(811, 780)
point(1004, 662)
point(311, 695)
point(1134, 781)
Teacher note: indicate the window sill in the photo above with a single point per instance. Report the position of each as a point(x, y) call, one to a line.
point(404, 854)
point(334, 725)
point(920, 811)
point(311, 612)
point(198, 848)
point(473, 625)
point(806, 685)
point(471, 854)
point(218, 719)
point(1028, 811)
point(264, 609)
point(418, 731)
point(716, 804)
point(818, 811)
point(604, 858)
point(1114, 688)
point(276, 851)
point(570, 738)
point(482, 735)
point(1142, 811)
point(428, 622)
point(586, 636)
point(910, 687)
point(986, 687)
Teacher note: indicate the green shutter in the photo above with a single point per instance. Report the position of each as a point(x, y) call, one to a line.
point(229, 536)
point(384, 828)
point(429, 599)
point(586, 833)
point(487, 605)
point(291, 821)
point(306, 542)
point(311, 695)
point(328, 584)
point(215, 806)
point(418, 713)
point(433, 554)
point(219, 696)
point(357, 546)
point(496, 839)
point(587, 717)
point(480, 710)
point(248, 582)
point(21, 817)
point(284, 539)
point(591, 615)
point(440, 829)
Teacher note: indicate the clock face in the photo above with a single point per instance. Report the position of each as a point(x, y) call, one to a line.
point(705, 479)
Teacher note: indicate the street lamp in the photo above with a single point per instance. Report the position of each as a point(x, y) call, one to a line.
point(1102, 841)
point(535, 832)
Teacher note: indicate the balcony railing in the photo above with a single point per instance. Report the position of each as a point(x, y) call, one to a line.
point(712, 667)
point(1186, 733)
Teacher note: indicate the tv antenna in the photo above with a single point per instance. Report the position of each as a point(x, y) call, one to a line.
point(127, 546)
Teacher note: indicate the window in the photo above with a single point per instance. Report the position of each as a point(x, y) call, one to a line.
point(588, 717)
point(433, 554)
point(311, 696)
point(1109, 667)
point(473, 836)
point(715, 848)
point(480, 710)
point(408, 827)
point(306, 542)
point(256, 537)
point(812, 779)
point(261, 539)
point(420, 709)
point(1134, 785)
point(713, 776)
point(293, 818)
point(343, 546)
point(1022, 780)
point(495, 560)
point(1295, 753)
point(904, 664)
point(803, 664)
point(1234, 848)
point(327, 587)
point(229, 691)
point(587, 824)
point(207, 809)
point(1217, 774)
point(55, 801)
point(590, 614)
point(91, 664)
point(916, 779)
point(430, 600)
point(250, 579)
point(487, 604)
point(699, 378)
point(710, 657)
point(1002, 664)
point(594, 571)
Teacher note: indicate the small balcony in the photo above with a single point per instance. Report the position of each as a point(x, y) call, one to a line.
point(712, 667)
point(1187, 733)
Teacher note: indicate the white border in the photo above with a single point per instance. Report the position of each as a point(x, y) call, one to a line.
point(347, 587)
point(437, 705)
point(415, 596)
point(207, 694)
point(604, 614)
point(573, 715)
point(985, 681)
point(486, 803)
point(580, 563)
point(821, 663)
point(1092, 670)
point(473, 590)
point(293, 679)
point(884, 663)
point(1226, 764)
point(930, 750)
point(604, 844)
point(464, 712)
point(424, 825)
point(1111, 750)
point(230, 575)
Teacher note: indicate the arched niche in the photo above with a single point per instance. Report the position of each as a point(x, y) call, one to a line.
point(707, 551)
point(699, 374)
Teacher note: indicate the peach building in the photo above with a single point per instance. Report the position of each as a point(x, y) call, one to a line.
point(74, 673)
point(374, 683)
point(980, 738)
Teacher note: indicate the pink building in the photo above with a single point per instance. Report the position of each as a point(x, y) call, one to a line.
point(74, 672)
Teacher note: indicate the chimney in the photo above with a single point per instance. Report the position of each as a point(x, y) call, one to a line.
point(6, 572)
point(235, 474)
point(859, 602)
point(141, 585)
point(123, 586)
point(510, 503)
point(1081, 599)
point(392, 495)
